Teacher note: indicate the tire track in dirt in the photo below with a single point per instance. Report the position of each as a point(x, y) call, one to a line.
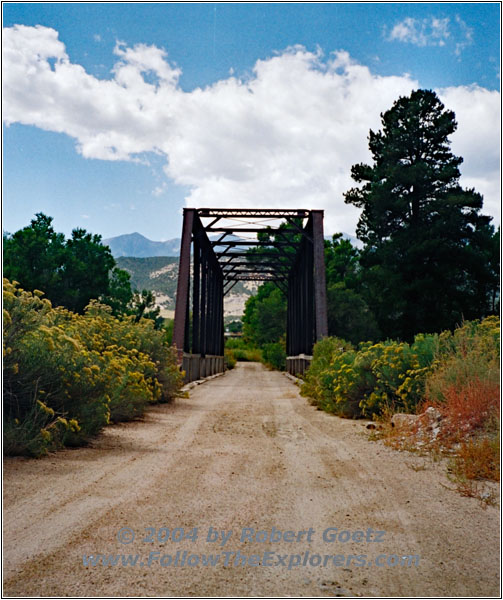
point(245, 450)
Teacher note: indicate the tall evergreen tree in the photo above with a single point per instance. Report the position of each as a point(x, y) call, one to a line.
point(423, 233)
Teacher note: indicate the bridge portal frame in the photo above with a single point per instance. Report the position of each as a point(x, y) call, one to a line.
point(219, 263)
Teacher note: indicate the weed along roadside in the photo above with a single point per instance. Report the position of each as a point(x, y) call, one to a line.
point(438, 396)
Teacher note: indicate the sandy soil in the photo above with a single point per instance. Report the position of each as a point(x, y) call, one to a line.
point(245, 450)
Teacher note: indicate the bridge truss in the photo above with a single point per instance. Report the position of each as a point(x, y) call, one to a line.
point(232, 245)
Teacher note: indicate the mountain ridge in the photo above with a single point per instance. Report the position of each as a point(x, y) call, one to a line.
point(136, 245)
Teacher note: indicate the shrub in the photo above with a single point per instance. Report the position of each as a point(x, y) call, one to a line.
point(470, 353)
point(318, 378)
point(274, 355)
point(230, 361)
point(375, 379)
point(477, 459)
point(67, 375)
point(243, 351)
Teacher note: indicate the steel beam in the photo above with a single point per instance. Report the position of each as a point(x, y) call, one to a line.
point(320, 288)
point(183, 284)
point(300, 275)
point(266, 213)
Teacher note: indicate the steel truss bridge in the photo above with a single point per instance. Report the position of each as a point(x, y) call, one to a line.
point(231, 245)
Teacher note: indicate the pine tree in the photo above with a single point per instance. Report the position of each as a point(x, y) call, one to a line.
point(422, 232)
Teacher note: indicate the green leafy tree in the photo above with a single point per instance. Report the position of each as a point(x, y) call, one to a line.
point(119, 295)
point(86, 270)
point(264, 318)
point(235, 327)
point(342, 262)
point(69, 272)
point(34, 256)
point(422, 232)
point(349, 316)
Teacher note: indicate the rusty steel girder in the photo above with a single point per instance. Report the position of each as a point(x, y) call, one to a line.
point(289, 253)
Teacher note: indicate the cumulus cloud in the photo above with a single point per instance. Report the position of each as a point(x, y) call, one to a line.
point(286, 135)
point(477, 140)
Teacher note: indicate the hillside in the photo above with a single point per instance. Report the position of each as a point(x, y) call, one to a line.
point(160, 274)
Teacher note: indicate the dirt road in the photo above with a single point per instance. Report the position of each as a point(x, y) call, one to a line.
point(244, 451)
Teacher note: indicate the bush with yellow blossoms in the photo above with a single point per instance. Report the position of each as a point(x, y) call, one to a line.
point(395, 376)
point(67, 375)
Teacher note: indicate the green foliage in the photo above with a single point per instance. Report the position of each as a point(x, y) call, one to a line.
point(168, 326)
point(274, 355)
point(318, 378)
point(73, 272)
point(430, 258)
point(70, 272)
point(471, 353)
point(375, 378)
point(230, 359)
point(67, 375)
point(119, 295)
point(342, 262)
point(86, 269)
point(143, 306)
point(235, 327)
point(395, 376)
point(349, 315)
point(35, 255)
point(264, 319)
point(239, 349)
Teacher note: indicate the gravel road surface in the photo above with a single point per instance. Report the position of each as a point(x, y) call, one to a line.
point(244, 452)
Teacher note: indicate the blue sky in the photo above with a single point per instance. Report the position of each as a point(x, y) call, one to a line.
point(118, 115)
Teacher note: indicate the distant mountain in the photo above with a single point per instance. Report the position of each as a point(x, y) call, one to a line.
point(135, 244)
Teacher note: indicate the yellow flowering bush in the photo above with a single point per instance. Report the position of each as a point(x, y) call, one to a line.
point(375, 378)
point(68, 375)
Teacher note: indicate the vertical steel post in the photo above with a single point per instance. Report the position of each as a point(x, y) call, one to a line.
point(182, 290)
point(196, 299)
point(204, 312)
point(320, 287)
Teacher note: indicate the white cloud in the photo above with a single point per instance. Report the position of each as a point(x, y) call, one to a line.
point(432, 31)
point(477, 140)
point(466, 36)
point(421, 32)
point(159, 190)
point(286, 136)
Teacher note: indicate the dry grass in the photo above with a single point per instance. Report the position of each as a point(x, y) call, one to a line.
point(467, 409)
point(478, 459)
point(468, 434)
